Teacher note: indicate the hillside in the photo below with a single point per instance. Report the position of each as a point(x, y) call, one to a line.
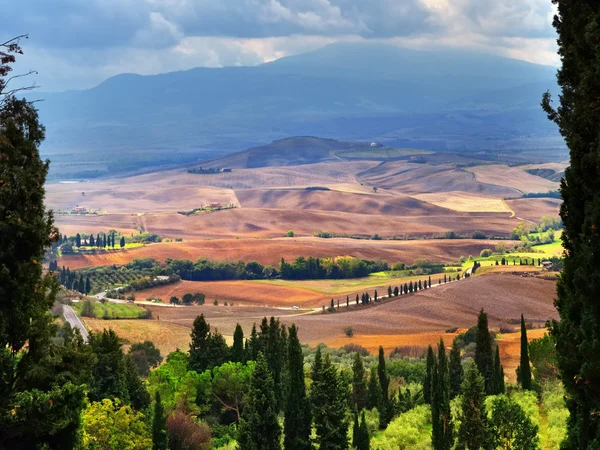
point(349, 92)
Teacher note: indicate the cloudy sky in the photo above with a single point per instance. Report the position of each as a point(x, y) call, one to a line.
point(79, 43)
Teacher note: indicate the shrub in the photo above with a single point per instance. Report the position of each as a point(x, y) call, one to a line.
point(376, 237)
point(178, 240)
point(174, 300)
point(348, 331)
point(225, 304)
point(216, 302)
point(408, 351)
point(87, 308)
point(187, 434)
point(478, 235)
point(353, 348)
point(323, 234)
point(452, 330)
point(506, 329)
point(485, 253)
point(290, 233)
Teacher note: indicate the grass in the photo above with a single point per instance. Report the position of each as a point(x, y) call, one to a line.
point(383, 153)
point(110, 310)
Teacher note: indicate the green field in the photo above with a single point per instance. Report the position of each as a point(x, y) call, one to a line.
point(110, 310)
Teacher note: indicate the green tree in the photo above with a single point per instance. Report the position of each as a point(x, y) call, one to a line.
point(237, 350)
point(577, 333)
point(159, 425)
point(360, 433)
point(297, 425)
point(139, 397)
point(442, 436)
point(78, 240)
point(200, 334)
point(110, 424)
point(498, 384)
point(386, 411)
point(510, 427)
point(389, 291)
point(359, 383)
point(542, 353)
point(428, 375)
point(473, 433)
point(109, 373)
point(484, 357)
point(187, 299)
point(524, 366)
point(122, 242)
point(217, 350)
point(373, 399)
point(259, 428)
point(456, 369)
point(88, 285)
point(145, 356)
point(328, 398)
point(229, 386)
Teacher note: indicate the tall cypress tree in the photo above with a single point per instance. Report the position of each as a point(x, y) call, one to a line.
point(456, 369)
point(298, 419)
point(499, 387)
point(385, 408)
point(328, 397)
point(442, 436)
point(253, 344)
point(199, 345)
point(473, 432)
point(577, 334)
point(373, 390)
point(524, 367)
point(428, 375)
point(484, 357)
point(359, 383)
point(237, 350)
point(159, 425)
point(259, 428)
point(363, 439)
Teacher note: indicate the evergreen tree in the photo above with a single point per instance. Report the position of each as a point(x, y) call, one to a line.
point(254, 344)
point(375, 296)
point(357, 299)
point(483, 352)
point(456, 370)
point(237, 350)
point(259, 428)
point(428, 375)
point(88, 285)
point(78, 240)
point(328, 397)
point(396, 291)
point(98, 240)
point(524, 367)
point(81, 285)
point(159, 425)
point(359, 383)
point(499, 387)
point(109, 373)
point(473, 433)
point(360, 433)
point(92, 242)
point(442, 436)
point(373, 390)
point(511, 428)
point(217, 351)
point(199, 344)
point(385, 410)
point(122, 242)
point(429, 281)
point(297, 424)
point(139, 398)
point(390, 291)
point(112, 240)
point(406, 288)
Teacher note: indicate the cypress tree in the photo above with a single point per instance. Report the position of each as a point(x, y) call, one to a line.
point(484, 357)
point(390, 291)
point(385, 410)
point(159, 425)
point(406, 288)
point(356, 431)
point(88, 285)
point(473, 432)
point(373, 390)
point(357, 299)
point(442, 436)
point(122, 242)
point(253, 344)
point(297, 419)
point(499, 387)
point(396, 291)
point(259, 428)
point(429, 282)
point(363, 441)
point(456, 370)
point(524, 367)
point(198, 346)
point(428, 375)
point(328, 397)
point(98, 241)
point(359, 383)
point(92, 242)
point(81, 285)
point(347, 300)
point(237, 350)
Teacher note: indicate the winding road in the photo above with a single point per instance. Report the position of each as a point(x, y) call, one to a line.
point(75, 321)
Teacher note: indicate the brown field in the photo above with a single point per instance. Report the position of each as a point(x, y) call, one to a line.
point(512, 177)
point(270, 251)
point(466, 202)
point(533, 209)
point(557, 167)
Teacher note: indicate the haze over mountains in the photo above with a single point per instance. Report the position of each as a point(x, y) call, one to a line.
point(436, 100)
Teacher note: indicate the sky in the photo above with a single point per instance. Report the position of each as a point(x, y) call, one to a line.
point(75, 44)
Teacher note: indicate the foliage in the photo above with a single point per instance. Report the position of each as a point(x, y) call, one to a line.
point(510, 427)
point(542, 353)
point(442, 427)
point(359, 383)
point(408, 431)
point(524, 366)
point(184, 433)
point(473, 432)
point(484, 359)
point(110, 424)
point(159, 425)
point(455, 369)
point(145, 356)
point(110, 311)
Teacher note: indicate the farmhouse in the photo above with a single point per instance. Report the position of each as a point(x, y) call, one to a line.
point(79, 209)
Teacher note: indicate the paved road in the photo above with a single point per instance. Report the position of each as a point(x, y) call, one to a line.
point(75, 321)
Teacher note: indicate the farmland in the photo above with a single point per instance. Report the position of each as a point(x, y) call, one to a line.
point(394, 205)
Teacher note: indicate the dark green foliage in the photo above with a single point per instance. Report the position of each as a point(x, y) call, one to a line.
point(360, 433)
point(159, 425)
point(237, 350)
point(328, 398)
point(217, 350)
point(524, 367)
point(359, 383)
point(442, 436)
point(396, 291)
point(109, 373)
point(122, 242)
point(198, 346)
point(298, 419)
point(498, 386)
point(455, 369)
point(484, 357)
point(139, 398)
point(145, 356)
point(389, 291)
point(259, 428)
point(254, 346)
point(542, 353)
point(473, 432)
point(428, 375)
point(511, 428)
point(386, 411)
point(373, 390)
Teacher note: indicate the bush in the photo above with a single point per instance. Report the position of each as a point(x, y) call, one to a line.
point(506, 329)
point(290, 233)
point(187, 434)
point(87, 308)
point(478, 235)
point(408, 351)
point(348, 331)
point(485, 253)
point(216, 302)
point(353, 348)
point(323, 234)
point(452, 330)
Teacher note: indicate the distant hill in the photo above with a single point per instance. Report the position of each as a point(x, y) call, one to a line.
point(349, 92)
point(287, 152)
